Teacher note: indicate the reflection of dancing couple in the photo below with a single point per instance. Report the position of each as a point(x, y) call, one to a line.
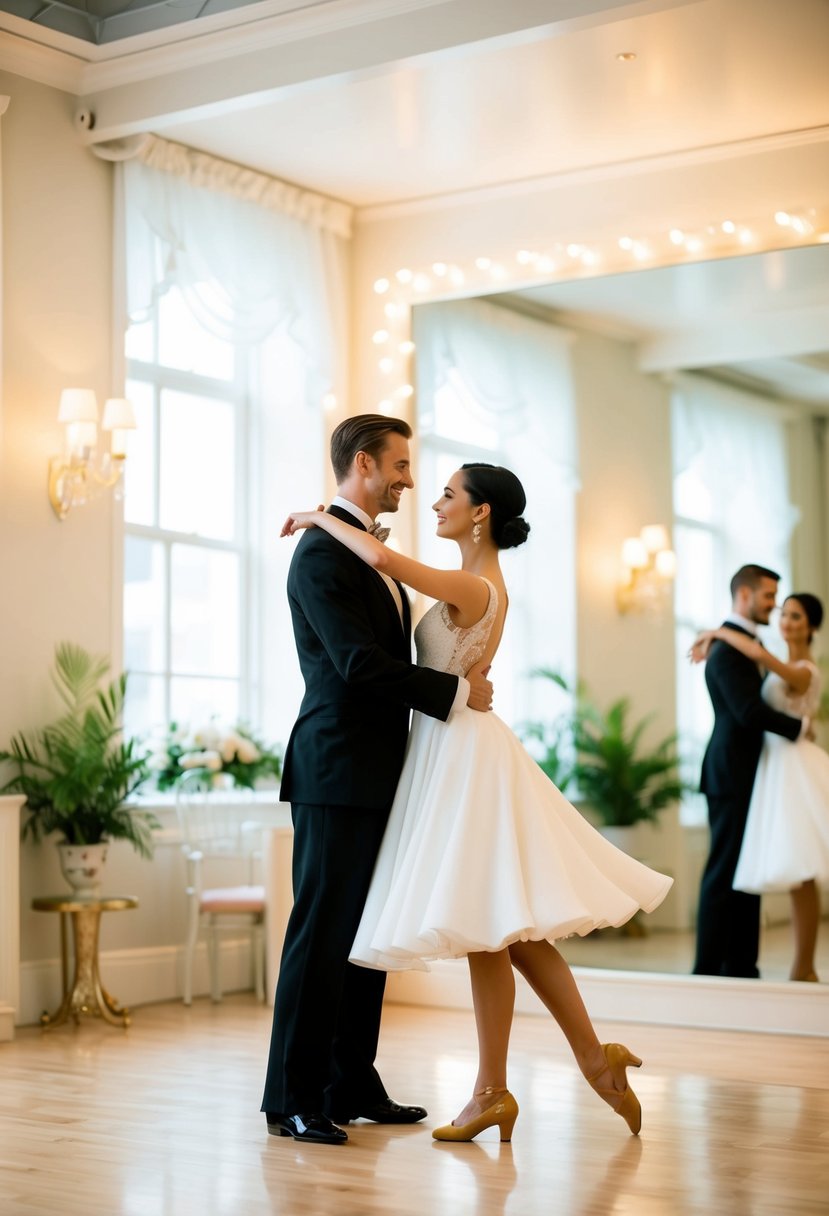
point(479, 855)
point(768, 793)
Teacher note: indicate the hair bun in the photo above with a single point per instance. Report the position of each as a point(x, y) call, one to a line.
point(514, 532)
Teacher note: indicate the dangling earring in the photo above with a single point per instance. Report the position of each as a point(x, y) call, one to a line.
point(476, 534)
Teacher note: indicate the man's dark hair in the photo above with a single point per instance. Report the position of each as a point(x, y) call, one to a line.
point(362, 433)
point(751, 576)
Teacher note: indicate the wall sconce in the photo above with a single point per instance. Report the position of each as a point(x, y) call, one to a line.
point(84, 471)
point(648, 569)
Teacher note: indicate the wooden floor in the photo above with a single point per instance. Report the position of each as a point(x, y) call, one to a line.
point(162, 1120)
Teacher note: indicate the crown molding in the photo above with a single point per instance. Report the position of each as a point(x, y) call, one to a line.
point(589, 174)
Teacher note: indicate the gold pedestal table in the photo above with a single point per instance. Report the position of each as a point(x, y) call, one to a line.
point(86, 995)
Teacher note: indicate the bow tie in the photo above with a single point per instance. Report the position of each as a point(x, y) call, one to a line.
point(380, 532)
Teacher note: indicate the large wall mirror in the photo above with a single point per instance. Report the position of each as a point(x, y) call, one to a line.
point(749, 331)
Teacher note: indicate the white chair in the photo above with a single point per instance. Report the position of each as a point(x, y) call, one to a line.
point(221, 842)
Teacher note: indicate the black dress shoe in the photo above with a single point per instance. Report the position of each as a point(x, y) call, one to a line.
point(386, 1111)
point(310, 1129)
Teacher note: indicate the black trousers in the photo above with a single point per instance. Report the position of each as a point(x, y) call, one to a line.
point(326, 1020)
point(728, 921)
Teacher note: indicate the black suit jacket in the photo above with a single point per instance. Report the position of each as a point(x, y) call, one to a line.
point(740, 718)
point(347, 745)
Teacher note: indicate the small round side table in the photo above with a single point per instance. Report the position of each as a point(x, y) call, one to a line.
point(86, 995)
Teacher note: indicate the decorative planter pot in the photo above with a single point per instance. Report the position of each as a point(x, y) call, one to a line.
point(82, 865)
point(624, 837)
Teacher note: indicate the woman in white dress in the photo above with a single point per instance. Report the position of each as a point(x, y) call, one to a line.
point(786, 840)
point(483, 857)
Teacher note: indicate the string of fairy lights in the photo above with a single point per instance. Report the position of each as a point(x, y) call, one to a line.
point(396, 293)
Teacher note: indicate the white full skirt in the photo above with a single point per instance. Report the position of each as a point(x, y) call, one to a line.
point(786, 840)
point(482, 850)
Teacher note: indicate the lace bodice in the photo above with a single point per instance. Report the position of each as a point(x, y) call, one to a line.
point(447, 647)
point(779, 696)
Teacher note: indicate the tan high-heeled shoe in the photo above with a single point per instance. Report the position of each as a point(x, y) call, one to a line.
point(503, 1112)
point(625, 1102)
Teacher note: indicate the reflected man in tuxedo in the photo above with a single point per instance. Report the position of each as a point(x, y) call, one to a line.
point(728, 921)
point(343, 760)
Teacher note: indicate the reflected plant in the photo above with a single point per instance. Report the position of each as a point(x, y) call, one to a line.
point(602, 755)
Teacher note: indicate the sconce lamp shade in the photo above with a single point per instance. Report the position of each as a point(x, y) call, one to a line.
point(118, 415)
point(78, 405)
point(634, 553)
point(653, 536)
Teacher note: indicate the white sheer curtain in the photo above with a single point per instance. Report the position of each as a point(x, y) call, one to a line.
point(730, 450)
point(263, 265)
point(495, 385)
point(732, 505)
point(251, 254)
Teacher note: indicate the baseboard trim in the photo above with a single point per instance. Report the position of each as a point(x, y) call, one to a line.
point(696, 1001)
point(6, 1023)
point(136, 977)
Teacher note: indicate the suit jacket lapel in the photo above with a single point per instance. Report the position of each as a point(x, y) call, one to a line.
point(406, 624)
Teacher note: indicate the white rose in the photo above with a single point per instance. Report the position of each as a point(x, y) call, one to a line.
point(230, 746)
point(247, 751)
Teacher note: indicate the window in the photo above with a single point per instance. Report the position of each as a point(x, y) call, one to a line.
point(187, 563)
point(236, 290)
point(731, 507)
point(495, 386)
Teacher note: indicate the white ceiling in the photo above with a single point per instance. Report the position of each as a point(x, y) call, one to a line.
point(389, 103)
point(687, 316)
point(483, 114)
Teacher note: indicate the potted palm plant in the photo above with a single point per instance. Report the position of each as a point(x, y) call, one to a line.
point(77, 773)
point(602, 754)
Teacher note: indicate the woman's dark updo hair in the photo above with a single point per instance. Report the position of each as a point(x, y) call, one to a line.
point(812, 606)
point(489, 483)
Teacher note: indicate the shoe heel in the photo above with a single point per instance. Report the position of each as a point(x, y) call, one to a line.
point(506, 1128)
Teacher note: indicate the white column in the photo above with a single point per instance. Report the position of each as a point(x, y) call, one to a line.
point(9, 914)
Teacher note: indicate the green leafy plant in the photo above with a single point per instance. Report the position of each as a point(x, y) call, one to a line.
point(622, 781)
point(77, 772)
point(552, 741)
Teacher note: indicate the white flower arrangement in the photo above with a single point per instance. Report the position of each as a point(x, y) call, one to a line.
point(211, 749)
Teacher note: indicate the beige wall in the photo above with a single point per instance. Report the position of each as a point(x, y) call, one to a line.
point(58, 578)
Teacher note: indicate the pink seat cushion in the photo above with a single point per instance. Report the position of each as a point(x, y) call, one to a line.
point(231, 900)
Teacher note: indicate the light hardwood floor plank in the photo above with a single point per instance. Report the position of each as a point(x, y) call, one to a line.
point(163, 1120)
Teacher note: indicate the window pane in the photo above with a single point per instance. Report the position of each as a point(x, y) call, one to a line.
point(144, 598)
point(144, 707)
point(695, 565)
point(187, 345)
point(692, 498)
point(204, 611)
point(458, 416)
point(198, 465)
point(139, 341)
point(139, 474)
point(194, 702)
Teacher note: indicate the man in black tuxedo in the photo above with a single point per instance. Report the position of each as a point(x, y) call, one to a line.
point(728, 921)
point(342, 764)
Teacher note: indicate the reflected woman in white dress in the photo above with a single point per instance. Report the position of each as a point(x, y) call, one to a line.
point(786, 840)
point(483, 857)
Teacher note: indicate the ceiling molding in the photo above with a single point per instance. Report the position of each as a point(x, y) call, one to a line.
point(44, 64)
point(659, 162)
point(795, 332)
